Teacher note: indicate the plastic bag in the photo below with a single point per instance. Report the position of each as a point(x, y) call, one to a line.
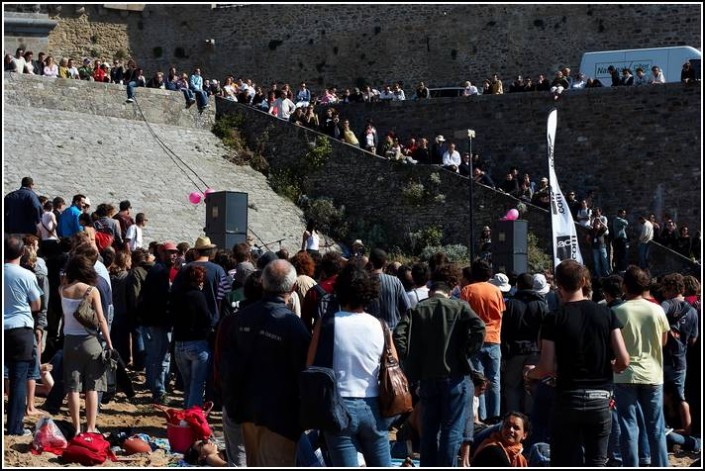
point(48, 437)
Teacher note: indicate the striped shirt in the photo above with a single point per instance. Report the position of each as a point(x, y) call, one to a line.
point(392, 302)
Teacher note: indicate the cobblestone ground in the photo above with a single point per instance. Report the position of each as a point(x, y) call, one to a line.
point(112, 159)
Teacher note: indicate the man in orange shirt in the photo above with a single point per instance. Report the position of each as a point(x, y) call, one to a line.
point(487, 301)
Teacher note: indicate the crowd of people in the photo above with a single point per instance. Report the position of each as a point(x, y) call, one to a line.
point(503, 367)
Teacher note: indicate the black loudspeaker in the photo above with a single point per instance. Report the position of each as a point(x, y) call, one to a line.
point(510, 246)
point(226, 218)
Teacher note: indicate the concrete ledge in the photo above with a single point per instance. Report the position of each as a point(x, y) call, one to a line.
point(104, 99)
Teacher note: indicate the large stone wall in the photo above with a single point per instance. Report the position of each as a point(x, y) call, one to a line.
point(100, 152)
point(372, 188)
point(346, 44)
point(637, 148)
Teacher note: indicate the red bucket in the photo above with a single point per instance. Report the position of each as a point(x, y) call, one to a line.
point(180, 438)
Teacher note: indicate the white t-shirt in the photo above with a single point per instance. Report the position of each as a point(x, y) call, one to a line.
point(417, 295)
point(20, 64)
point(134, 233)
point(47, 227)
point(359, 342)
point(312, 243)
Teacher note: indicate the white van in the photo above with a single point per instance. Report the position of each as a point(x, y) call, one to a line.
point(669, 59)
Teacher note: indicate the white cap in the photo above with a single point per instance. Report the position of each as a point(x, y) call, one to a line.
point(541, 286)
point(501, 281)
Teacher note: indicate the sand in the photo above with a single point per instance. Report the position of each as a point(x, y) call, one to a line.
point(139, 414)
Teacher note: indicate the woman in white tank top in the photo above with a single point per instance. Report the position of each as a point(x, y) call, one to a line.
point(83, 366)
point(310, 242)
point(358, 347)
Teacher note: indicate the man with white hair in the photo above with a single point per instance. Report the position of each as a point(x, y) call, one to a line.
point(267, 348)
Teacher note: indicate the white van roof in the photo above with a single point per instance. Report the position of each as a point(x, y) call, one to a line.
point(669, 59)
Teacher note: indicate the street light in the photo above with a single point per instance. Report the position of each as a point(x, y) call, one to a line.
point(471, 135)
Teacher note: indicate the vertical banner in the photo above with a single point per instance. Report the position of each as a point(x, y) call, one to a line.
point(565, 237)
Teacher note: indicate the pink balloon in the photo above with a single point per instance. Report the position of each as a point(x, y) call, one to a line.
point(512, 215)
point(195, 197)
point(209, 191)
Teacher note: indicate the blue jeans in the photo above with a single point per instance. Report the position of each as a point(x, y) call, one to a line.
point(488, 361)
point(201, 98)
point(677, 377)
point(156, 342)
point(614, 449)
point(543, 402)
point(188, 95)
point(686, 442)
point(192, 360)
point(57, 394)
point(17, 400)
point(131, 89)
point(139, 353)
point(581, 428)
point(600, 261)
point(650, 397)
point(643, 255)
point(367, 429)
point(443, 402)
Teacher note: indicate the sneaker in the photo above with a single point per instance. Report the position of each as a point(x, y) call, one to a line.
point(130, 100)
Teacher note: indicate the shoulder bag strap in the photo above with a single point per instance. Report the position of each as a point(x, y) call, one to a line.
point(326, 340)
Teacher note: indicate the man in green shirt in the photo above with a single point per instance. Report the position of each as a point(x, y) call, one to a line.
point(641, 384)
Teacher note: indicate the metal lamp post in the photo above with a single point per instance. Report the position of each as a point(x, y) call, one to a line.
point(471, 135)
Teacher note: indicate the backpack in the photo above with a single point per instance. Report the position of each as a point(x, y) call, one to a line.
point(103, 240)
point(88, 449)
point(321, 406)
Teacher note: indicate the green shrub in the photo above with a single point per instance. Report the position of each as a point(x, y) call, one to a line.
point(539, 260)
point(413, 193)
point(330, 219)
point(456, 253)
point(419, 240)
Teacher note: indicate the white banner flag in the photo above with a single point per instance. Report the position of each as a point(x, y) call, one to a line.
point(565, 237)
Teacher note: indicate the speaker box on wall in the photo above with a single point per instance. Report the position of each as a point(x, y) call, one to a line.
point(226, 218)
point(510, 246)
point(510, 237)
point(509, 262)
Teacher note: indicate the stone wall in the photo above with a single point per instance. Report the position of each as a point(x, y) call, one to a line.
point(345, 45)
point(637, 148)
point(372, 188)
point(108, 156)
point(107, 100)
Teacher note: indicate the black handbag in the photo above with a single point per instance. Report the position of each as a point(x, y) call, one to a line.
point(321, 406)
point(86, 315)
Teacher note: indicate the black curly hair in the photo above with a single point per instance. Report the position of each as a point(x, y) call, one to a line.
point(355, 288)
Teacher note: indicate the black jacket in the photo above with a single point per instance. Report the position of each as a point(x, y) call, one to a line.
point(262, 356)
point(521, 323)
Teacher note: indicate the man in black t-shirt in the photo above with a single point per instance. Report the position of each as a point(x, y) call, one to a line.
point(582, 338)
